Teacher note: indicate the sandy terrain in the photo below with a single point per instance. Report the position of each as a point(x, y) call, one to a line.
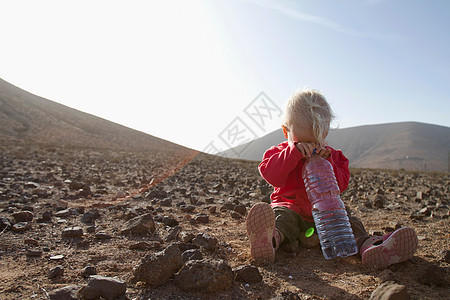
point(60, 185)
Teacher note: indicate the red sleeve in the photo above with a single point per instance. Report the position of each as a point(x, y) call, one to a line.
point(340, 167)
point(277, 162)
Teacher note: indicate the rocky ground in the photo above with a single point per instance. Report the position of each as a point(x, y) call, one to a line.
point(129, 225)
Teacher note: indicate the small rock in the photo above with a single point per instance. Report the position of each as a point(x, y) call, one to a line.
point(32, 242)
point(236, 215)
point(56, 257)
point(386, 275)
point(106, 287)
point(34, 252)
point(431, 275)
point(56, 272)
point(74, 185)
point(5, 223)
point(205, 276)
point(89, 217)
point(101, 235)
point(205, 241)
point(46, 216)
point(287, 295)
point(445, 256)
point(72, 232)
point(173, 233)
point(187, 208)
point(23, 216)
point(141, 225)
point(241, 208)
point(165, 202)
point(88, 271)
point(169, 221)
point(21, 227)
point(65, 293)
point(390, 291)
point(202, 218)
point(227, 206)
point(426, 211)
point(186, 237)
point(31, 185)
point(155, 269)
point(192, 254)
point(379, 202)
point(247, 274)
point(62, 213)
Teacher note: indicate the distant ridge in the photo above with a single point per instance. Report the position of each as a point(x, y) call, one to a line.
point(25, 117)
point(404, 145)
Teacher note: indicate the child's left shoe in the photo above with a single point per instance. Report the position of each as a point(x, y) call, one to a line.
point(383, 251)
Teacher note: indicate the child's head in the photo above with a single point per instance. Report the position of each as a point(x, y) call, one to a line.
point(307, 117)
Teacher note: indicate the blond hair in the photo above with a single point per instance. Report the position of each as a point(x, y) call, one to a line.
point(309, 108)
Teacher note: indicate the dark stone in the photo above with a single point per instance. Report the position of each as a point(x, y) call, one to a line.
point(236, 215)
point(202, 218)
point(205, 275)
point(5, 223)
point(390, 291)
point(46, 216)
point(173, 233)
point(65, 293)
point(247, 274)
point(241, 208)
point(106, 287)
point(204, 240)
point(379, 202)
point(431, 275)
point(169, 221)
point(445, 256)
point(187, 208)
point(141, 225)
point(192, 254)
point(88, 271)
point(23, 216)
point(155, 269)
point(56, 272)
point(62, 213)
point(73, 232)
point(34, 252)
point(166, 202)
point(102, 236)
point(21, 227)
point(387, 275)
point(287, 295)
point(89, 217)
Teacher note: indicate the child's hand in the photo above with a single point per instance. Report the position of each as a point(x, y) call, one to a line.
point(306, 149)
point(323, 152)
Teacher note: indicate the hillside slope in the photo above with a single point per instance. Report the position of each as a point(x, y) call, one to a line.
point(407, 145)
point(25, 117)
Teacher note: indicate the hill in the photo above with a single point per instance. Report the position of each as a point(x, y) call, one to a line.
point(405, 145)
point(27, 118)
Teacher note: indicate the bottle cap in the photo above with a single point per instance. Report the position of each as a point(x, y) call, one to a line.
point(309, 232)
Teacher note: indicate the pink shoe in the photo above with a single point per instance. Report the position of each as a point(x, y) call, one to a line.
point(261, 231)
point(381, 252)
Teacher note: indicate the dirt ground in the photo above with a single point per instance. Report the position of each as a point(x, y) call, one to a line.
point(47, 180)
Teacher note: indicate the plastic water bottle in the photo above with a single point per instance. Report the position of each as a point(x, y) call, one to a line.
point(332, 223)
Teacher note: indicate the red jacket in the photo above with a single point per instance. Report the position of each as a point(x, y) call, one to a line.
point(282, 168)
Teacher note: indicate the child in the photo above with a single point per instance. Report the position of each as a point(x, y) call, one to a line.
point(305, 125)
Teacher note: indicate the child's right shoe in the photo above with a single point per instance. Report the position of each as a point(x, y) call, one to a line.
point(383, 251)
point(261, 231)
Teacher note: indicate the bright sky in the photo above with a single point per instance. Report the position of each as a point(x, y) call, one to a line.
point(188, 71)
